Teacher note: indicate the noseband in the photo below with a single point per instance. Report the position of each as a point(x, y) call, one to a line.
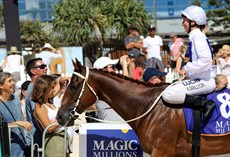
point(73, 113)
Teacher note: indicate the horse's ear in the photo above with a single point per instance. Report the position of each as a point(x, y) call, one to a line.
point(77, 65)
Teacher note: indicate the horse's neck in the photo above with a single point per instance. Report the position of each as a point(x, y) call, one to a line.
point(127, 98)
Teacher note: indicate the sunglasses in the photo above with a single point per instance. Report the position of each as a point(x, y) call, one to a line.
point(42, 66)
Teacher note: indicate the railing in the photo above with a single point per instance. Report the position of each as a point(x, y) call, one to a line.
point(43, 139)
point(35, 146)
point(10, 126)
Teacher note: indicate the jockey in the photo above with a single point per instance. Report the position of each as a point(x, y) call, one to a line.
point(199, 68)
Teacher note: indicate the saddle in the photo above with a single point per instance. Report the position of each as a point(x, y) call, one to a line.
point(217, 123)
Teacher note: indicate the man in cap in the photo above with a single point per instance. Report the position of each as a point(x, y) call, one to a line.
point(104, 111)
point(152, 47)
point(199, 68)
point(132, 41)
point(133, 44)
point(152, 44)
point(154, 76)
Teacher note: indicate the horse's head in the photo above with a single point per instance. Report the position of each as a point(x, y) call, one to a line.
point(78, 96)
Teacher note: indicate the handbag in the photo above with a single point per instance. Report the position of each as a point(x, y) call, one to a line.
point(27, 150)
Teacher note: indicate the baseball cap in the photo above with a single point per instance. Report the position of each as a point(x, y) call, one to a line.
point(150, 72)
point(151, 28)
point(133, 54)
point(103, 62)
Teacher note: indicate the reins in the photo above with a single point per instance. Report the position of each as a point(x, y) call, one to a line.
point(74, 113)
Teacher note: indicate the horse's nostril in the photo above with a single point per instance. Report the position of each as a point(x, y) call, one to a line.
point(59, 117)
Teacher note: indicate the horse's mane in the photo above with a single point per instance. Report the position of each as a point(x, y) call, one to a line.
point(131, 79)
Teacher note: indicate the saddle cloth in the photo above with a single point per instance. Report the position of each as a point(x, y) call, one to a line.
point(219, 122)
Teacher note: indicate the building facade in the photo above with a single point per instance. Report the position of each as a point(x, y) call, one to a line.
point(165, 14)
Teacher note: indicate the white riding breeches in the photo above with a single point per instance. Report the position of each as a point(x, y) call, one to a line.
point(175, 93)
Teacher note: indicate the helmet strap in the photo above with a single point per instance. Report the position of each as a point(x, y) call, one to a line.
point(191, 25)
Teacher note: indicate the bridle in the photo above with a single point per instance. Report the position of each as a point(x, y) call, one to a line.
point(74, 113)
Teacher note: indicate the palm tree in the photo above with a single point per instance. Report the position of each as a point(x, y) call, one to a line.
point(32, 33)
point(122, 13)
point(86, 22)
point(82, 23)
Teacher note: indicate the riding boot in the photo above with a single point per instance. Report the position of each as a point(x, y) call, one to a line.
point(199, 102)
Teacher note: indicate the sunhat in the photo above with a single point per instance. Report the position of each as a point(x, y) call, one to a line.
point(48, 46)
point(13, 50)
point(225, 47)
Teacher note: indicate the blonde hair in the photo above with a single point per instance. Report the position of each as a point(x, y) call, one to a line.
point(183, 49)
point(219, 78)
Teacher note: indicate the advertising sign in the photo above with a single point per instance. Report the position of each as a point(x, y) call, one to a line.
point(108, 140)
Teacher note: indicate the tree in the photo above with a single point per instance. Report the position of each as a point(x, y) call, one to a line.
point(32, 33)
point(122, 13)
point(86, 22)
point(196, 2)
point(219, 16)
point(78, 21)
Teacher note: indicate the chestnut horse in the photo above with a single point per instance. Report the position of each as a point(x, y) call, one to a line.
point(162, 132)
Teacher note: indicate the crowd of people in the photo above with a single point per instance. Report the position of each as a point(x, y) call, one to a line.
point(35, 106)
point(195, 64)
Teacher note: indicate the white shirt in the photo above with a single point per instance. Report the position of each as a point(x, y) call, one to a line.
point(224, 66)
point(47, 56)
point(201, 64)
point(152, 46)
point(13, 63)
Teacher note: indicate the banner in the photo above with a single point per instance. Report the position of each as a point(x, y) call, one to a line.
point(108, 140)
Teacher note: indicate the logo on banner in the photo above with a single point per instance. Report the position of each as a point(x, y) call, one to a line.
point(113, 143)
point(223, 126)
point(224, 99)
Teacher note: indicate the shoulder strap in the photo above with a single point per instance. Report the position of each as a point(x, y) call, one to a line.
point(14, 120)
